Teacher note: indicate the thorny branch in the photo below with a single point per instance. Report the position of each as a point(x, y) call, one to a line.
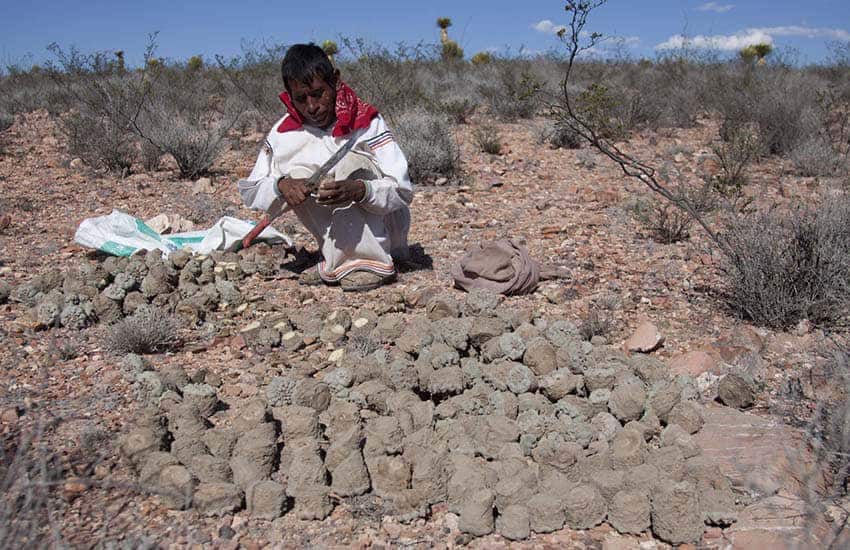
point(577, 41)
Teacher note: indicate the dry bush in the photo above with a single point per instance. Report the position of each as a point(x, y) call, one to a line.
point(29, 473)
point(666, 223)
point(255, 76)
point(782, 267)
point(6, 120)
point(391, 80)
point(429, 145)
point(177, 111)
point(735, 155)
point(148, 330)
point(594, 324)
point(775, 100)
point(192, 139)
point(558, 136)
point(508, 87)
point(816, 157)
point(99, 141)
point(488, 139)
point(459, 109)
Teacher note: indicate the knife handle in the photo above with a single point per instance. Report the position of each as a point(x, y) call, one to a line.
point(249, 238)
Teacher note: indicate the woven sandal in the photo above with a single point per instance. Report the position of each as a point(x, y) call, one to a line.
point(361, 281)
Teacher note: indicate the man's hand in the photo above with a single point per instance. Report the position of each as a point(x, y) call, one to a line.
point(341, 192)
point(293, 191)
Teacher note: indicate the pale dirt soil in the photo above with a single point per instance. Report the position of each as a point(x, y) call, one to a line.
point(567, 214)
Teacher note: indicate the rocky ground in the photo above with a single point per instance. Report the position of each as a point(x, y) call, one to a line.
point(415, 415)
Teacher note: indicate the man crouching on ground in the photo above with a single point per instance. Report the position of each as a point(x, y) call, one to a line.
point(360, 220)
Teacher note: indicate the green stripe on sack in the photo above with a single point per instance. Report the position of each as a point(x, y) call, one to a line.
point(117, 249)
point(180, 241)
point(145, 228)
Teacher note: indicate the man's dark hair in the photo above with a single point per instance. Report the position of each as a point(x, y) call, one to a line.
point(303, 62)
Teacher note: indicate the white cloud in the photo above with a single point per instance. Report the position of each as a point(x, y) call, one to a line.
point(547, 27)
point(808, 32)
point(717, 42)
point(741, 39)
point(628, 40)
point(715, 7)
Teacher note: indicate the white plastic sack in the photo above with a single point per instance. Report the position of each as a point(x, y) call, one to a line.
point(120, 234)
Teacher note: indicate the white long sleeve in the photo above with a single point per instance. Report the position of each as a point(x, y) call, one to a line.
point(259, 189)
point(394, 190)
point(303, 151)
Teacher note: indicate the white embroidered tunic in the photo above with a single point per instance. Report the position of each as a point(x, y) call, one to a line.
point(359, 236)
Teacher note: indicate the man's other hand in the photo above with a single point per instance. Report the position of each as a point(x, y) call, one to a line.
point(341, 192)
point(293, 191)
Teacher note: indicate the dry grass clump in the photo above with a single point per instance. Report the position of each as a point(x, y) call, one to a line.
point(148, 330)
point(593, 324)
point(488, 139)
point(782, 267)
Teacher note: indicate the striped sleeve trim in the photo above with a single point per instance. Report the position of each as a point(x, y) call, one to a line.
point(380, 140)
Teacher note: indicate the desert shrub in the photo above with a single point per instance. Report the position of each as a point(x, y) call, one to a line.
point(777, 101)
point(150, 155)
point(509, 88)
point(451, 51)
point(558, 136)
point(481, 58)
point(6, 120)
point(195, 63)
point(390, 80)
point(666, 223)
point(177, 111)
point(148, 330)
point(194, 143)
point(255, 77)
point(815, 157)
point(459, 109)
point(735, 155)
point(99, 141)
point(597, 105)
point(29, 472)
point(781, 267)
point(488, 139)
point(593, 324)
point(428, 142)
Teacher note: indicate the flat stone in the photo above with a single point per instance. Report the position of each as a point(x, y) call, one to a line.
point(756, 453)
point(693, 363)
point(780, 522)
point(645, 339)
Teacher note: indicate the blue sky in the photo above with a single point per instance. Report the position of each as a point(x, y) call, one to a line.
point(212, 27)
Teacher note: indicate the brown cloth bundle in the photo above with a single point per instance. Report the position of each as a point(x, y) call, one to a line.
point(501, 266)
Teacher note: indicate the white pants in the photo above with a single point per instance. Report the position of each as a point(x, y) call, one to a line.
point(351, 238)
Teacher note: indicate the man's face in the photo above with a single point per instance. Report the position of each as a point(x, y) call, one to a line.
point(315, 101)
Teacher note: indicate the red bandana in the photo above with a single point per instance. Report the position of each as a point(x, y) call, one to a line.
point(352, 113)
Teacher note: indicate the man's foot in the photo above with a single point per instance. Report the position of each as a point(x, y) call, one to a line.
point(310, 277)
point(359, 281)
